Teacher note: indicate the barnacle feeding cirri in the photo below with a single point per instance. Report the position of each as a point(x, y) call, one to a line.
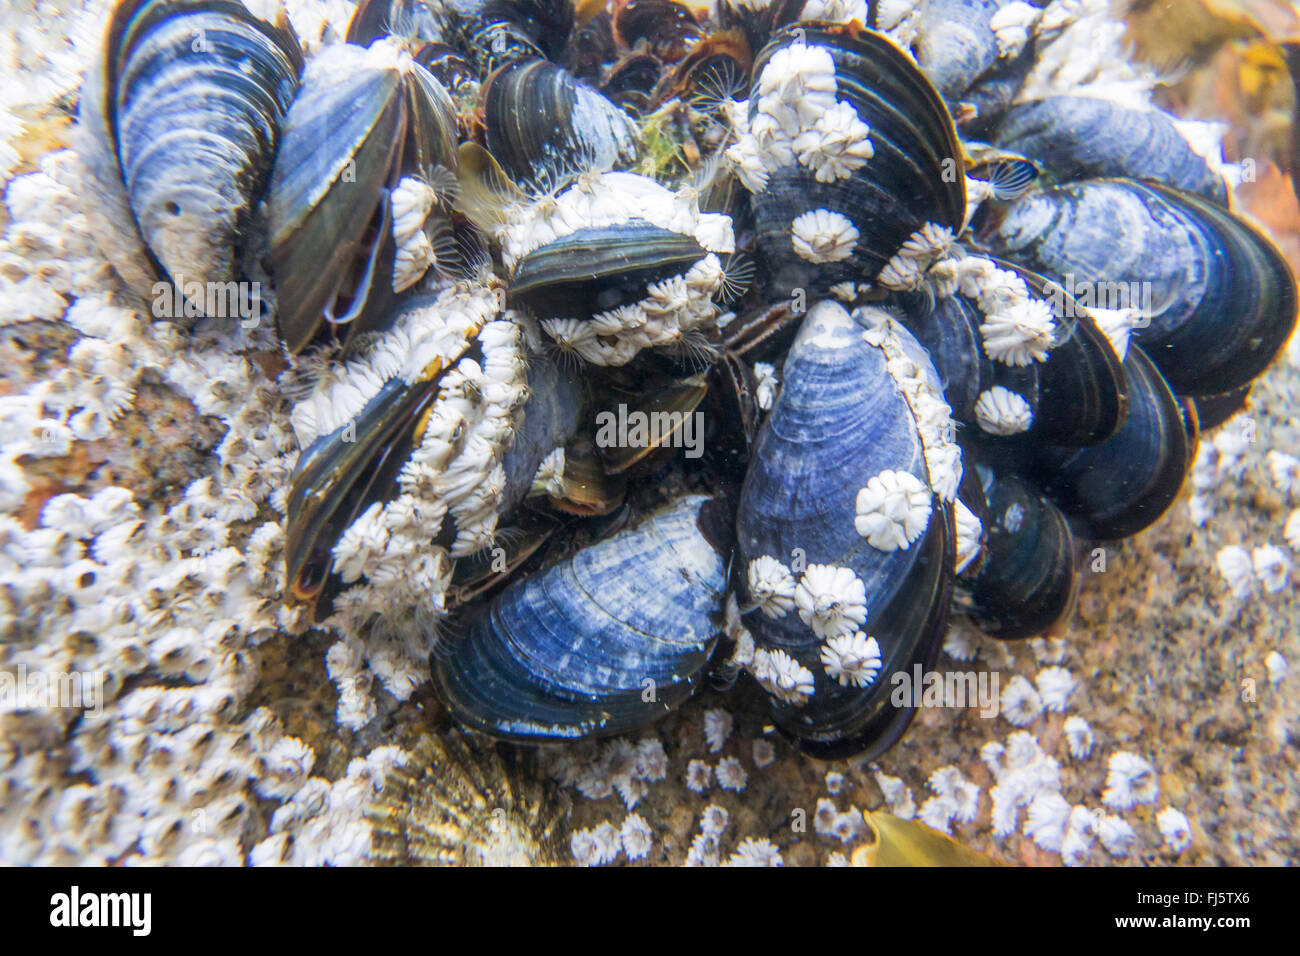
point(575, 360)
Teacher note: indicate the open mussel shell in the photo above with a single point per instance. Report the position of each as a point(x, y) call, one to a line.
point(415, 21)
point(855, 223)
point(1085, 137)
point(716, 69)
point(839, 422)
point(544, 126)
point(343, 472)
point(363, 120)
point(600, 268)
point(1218, 298)
point(1117, 488)
point(1028, 580)
point(183, 116)
point(663, 28)
point(605, 642)
point(664, 420)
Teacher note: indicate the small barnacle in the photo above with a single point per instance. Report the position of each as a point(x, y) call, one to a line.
point(852, 659)
point(1020, 702)
point(1078, 736)
point(771, 586)
point(1055, 685)
point(1272, 567)
point(1000, 411)
point(1237, 568)
point(892, 510)
point(1130, 780)
point(832, 600)
point(717, 728)
point(699, 776)
point(731, 775)
point(821, 235)
point(755, 852)
point(1116, 835)
point(1175, 829)
point(1049, 813)
point(763, 752)
point(636, 836)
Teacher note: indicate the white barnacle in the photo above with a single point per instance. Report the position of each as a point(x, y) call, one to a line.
point(969, 533)
point(755, 852)
point(892, 510)
point(1078, 737)
point(1011, 26)
point(1272, 567)
point(1285, 471)
point(731, 774)
point(717, 728)
point(1291, 531)
point(851, 659)
point(1049, 813)
point(747, 163)
point(1020, 702)
point(1118, 325)
point(699, 776)
point(549, 479)
point(1130, 780)
point(1000, 411)
point(1116, 835)
point(766, 385)
point(796, 86)
point(771, 586)
point(1055, 685)
point(832, 600)
point(822, 235)
point(412, 199)
point(782, 676)
point(636, 836)
point(836, 145)
point(1236, 566)
point(1174, 828)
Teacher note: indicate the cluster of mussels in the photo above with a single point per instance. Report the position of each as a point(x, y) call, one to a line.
point(844, 236)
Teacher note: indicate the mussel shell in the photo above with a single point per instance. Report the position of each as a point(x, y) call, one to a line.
point(342, 473)
point(184, 115)
point(668, 30)
point(603, 643)
point(596, 269)
point(1078, 395)
point(1228, 295)
point(631, 81)
point(413, 20)
point(1213, 410)
point(839, 421)
point(1123, 485)
point(543, 125)
point(355, 128)
point(1084, 137)
point(1028, 580)
point(907, 183)
point(955, 43)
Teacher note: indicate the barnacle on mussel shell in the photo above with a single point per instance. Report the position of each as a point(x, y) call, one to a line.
point(601, 643)
point(849, 484)
point(1226, 296)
